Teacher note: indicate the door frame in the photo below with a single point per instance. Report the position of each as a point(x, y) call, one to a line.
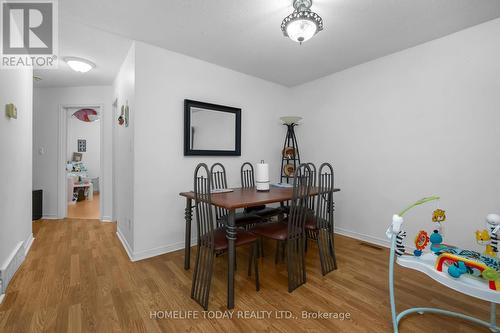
point(62, 187)
point(114, 158)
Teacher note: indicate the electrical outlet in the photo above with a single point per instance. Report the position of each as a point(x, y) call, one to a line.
point(41, 151)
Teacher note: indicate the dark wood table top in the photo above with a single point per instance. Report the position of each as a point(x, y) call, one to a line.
point(249, 197)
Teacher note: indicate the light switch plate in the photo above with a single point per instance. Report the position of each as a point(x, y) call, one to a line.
point(11, 111)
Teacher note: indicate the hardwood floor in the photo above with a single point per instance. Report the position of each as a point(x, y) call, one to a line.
point(77, 278)
point(86, 209)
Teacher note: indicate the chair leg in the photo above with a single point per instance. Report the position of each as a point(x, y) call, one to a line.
point(306, 240)
point(332, 249)
point(235, 266)
point(251, 259)
point(283, 250)
point(256, 263)
point(277, 251)
point(200, 290)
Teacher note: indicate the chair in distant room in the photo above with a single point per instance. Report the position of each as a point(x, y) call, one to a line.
point(321, 225)
point(248, 181)
point(212, 239)
point(291, 232)
point(241, 219)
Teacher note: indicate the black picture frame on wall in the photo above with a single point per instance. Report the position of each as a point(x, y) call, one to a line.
point(188, 146)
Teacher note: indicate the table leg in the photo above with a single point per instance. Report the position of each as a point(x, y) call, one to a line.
point(188, 215)
point(231, 237)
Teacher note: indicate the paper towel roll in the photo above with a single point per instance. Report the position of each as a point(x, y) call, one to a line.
point(262, 176)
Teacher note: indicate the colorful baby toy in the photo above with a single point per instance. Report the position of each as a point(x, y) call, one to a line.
point(421, 242)
point(438, 215)
point(483, 238)
point(493, 225)
point(455, 261)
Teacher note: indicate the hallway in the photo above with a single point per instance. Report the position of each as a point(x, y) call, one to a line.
point(86, 209)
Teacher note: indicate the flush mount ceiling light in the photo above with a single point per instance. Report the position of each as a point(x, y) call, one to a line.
point(302, 24)
point(79, 64)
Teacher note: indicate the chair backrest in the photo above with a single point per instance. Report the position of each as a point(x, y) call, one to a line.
point(324, 203)
point(203, 205)
point(247, 175)
point(219, 179)
point(302, 183)
point(312, 171)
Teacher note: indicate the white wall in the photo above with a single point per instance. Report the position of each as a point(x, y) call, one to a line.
point(91, 132)
point(16, 86)
point(46, 106)
point(163, 80)
point(124, 92)
point(419, 122)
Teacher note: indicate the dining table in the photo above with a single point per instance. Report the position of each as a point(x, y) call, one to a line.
point(236, 198)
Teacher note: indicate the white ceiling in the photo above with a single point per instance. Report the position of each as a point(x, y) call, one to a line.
point(245, 35)
point(104, 49)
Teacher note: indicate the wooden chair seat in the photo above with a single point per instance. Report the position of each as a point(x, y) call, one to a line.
point(311, 223)
point(274, 230)
point(242, 238)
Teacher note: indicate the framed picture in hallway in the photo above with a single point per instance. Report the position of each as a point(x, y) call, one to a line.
point(82, 146)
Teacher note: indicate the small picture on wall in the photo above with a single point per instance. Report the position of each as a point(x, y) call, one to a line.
point(82, 146)
point(123, 119)
point(77, 157)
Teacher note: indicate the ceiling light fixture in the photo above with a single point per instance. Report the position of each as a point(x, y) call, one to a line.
point(79, 64)
point(302, 24)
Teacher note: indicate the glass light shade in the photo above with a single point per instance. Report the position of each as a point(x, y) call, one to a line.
point(290, 120)
point(79, 65)
point(301, 30)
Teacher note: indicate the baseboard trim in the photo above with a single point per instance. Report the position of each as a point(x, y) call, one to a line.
point(27, 244)
point(125, 244)
point(50, 217)
point(107, 219)
point(149, 253)
point(13, 262)
point(363, 237)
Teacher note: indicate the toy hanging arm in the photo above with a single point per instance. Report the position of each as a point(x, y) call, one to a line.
point(397, 219)
point(419, 202)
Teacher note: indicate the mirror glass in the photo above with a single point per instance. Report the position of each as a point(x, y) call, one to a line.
point(212, 130)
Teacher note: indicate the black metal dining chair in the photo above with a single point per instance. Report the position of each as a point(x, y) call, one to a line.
point(219, 181)
point(291, 232)
point(321, 224)
point(248, 181)
point(212, 239)
point(311, 201)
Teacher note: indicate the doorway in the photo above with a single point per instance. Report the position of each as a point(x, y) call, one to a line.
point(81, 160)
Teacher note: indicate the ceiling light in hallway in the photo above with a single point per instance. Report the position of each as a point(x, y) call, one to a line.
point(79, 64)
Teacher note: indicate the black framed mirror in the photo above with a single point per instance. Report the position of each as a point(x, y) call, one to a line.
point(211, 129)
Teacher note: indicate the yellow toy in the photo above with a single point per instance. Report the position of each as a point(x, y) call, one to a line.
point(483, 238)
point(438, 215)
